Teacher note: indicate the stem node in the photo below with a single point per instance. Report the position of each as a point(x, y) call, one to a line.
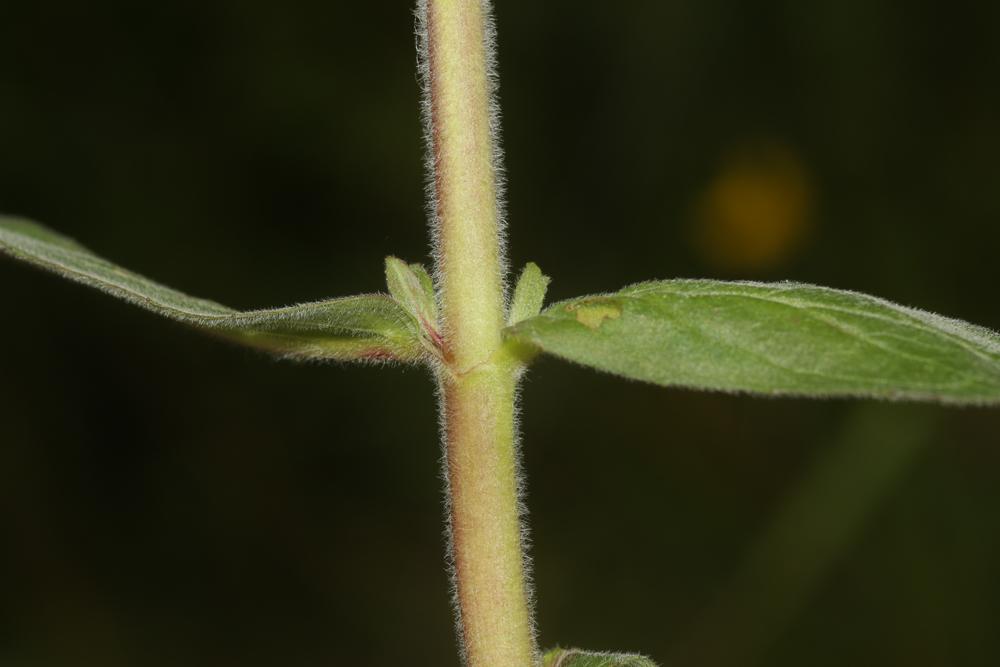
point(478, 388)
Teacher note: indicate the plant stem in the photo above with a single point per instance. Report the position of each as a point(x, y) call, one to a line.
point(478, 379)
point(464, 169)
point(492, 598)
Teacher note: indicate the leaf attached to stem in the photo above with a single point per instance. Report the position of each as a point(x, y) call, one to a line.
point(773, 339)
point(370, 327)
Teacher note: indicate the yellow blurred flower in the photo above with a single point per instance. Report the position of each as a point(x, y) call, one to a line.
point(756, 212)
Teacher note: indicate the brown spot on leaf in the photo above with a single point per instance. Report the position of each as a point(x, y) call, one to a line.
point(592, 312)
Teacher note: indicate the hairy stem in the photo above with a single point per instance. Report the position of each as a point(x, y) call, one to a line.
point(478, 378)
point(465, 158)
point(485, 529)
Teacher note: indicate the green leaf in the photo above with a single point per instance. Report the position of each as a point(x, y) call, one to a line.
point(412, 288)
point(781, 338)
point(367, 327)
point(428, 286)
point(529, 294)
point(571, 657)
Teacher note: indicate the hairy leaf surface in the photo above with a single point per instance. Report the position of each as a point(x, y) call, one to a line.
point(780, 338)
point(411, 286)
point(571, 657)
point(367, 327)
point(529, 294)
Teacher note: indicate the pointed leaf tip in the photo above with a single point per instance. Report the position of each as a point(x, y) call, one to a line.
point(773, 339)
point(412, 288)
point(529, 294)
point(427, 283)
point(359, 328)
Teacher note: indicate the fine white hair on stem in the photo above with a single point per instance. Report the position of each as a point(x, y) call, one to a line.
point(441, 378)
point(520, 480)
point(449, 532)
point(422, 29)
point(437, 201)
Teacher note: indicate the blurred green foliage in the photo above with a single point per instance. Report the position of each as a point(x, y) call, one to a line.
point(167, 499)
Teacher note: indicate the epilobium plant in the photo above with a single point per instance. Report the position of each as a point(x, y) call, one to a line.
point(477, 338)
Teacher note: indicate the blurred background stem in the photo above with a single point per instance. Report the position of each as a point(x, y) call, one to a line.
point(821, 520)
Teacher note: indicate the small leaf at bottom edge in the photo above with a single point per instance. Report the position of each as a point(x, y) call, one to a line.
point(571, 657)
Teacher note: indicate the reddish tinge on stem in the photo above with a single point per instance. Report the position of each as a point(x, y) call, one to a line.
point(478, 379)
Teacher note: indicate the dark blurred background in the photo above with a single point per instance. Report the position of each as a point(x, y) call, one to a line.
point(166, 499)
